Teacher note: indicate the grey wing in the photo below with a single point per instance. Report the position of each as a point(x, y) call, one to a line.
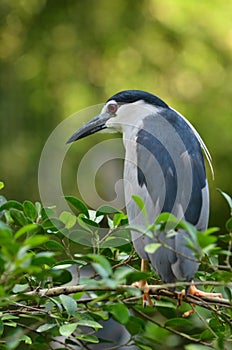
point(170, 178)
point(171, 166)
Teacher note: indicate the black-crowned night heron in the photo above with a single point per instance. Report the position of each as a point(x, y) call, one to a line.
point(164, 166)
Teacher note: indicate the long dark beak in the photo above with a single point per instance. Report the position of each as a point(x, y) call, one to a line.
point(96, 124)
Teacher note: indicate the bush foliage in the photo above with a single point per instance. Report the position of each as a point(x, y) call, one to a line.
point(66, 284)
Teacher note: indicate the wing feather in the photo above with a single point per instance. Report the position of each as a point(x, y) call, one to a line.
point(171, 176)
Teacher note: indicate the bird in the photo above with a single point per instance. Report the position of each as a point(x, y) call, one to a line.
point(164, 166)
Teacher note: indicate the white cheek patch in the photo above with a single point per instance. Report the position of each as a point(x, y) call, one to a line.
point(108, 130)
point(113, 125)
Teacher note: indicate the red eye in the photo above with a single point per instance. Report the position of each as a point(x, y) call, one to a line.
point(112, 108)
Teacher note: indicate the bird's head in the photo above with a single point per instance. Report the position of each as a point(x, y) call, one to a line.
point(121, 109)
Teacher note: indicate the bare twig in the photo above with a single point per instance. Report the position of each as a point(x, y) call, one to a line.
point(30, 308)
point(158, 290)
point(124, 262)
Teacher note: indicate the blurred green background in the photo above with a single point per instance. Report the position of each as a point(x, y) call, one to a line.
point(60, 56)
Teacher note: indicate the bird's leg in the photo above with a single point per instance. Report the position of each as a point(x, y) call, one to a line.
point(143, 284)
point(192, 290)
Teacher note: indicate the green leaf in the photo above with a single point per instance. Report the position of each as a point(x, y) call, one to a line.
point(1, 327)
point(110, 223)
point(48, 212)
point(6, 232)
point(169, 222)
point(11, 204)
point(67, 329)
point(207, 334)
point(1, 185)
point(227, 198)
point(87, 224)
point(165, 304)
point(18, 217)
point(10, 324)
point(9, 317)
point(229, 225)
point(68, 219)
point(120, 312)
point(120, 219)
point(53, 224)
point(68, 303)
point(82, 237)
point(55, 301)
point(122, 272)
point(106, 210)
point(30, 210)
point(166, 217)
point(152, 247)
point(103, 315)
point(216, 325)
point(211, 230)
point(43, 258)
point(113, 242)
point(45, 327)
point(26, 229)
point(191, 229)
point(135, 276)
point(135, 325)
point(141, 346)
point(88, 338)
point(83, 224)
point(89, 323)
point(100, 270)
point(228, 293)
point(140, 203)
point(7, 240)
point(100, 259)
point(38, 207)
point(26, 339)
point(19, 288)
point(197, 347)
point(78, 204)
point(35, 241)
point(54, 245)
point(178, 322)
point(205, 240)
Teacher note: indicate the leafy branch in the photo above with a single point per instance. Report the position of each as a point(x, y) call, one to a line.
point(52, 279)
point(154, 290)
